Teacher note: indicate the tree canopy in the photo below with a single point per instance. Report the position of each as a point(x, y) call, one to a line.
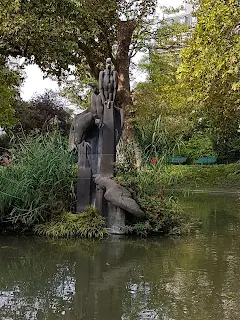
point(161, 118)
point(81, 33)
point(9, 83)
point(41, 114)
point(210, 68)
point(56, 34)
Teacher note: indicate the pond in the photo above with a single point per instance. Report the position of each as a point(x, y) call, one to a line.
point(194, 277)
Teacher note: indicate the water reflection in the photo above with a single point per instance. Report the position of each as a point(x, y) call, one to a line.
point(165, 279)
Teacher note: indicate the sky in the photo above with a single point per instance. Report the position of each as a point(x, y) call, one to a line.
point(36, 84)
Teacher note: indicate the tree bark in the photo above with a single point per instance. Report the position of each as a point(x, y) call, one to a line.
point(124, 35)
point(122, 64)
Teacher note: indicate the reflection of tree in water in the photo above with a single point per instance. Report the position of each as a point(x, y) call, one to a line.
point(42, 280)
point(189, 278)
point(30, 283)
point(194, 278)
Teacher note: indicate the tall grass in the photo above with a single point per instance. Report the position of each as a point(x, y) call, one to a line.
point(38, 182)
point(157, 140)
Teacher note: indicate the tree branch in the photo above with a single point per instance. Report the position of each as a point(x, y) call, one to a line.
point(90, 59)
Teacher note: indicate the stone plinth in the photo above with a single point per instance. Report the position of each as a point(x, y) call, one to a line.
point(84, 179)
point(108, 148)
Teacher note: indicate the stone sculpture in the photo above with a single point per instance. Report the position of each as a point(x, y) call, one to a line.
point(118, 196)
point(95, 134)
point(108, 84)
point(86, 120)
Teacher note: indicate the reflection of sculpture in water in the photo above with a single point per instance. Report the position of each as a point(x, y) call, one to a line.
point(108, 83)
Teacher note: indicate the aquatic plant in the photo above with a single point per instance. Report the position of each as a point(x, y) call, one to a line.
point(88, 224)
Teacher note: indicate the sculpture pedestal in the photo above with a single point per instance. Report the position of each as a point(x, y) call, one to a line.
point(115, 220)
point(84, 179)
point(108, 147)
point(83, 189)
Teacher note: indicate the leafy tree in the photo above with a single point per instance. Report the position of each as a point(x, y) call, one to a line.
point(82, 33)
point(160, 104)
point(210, 70)
point(56, 34)
point(9, 84)
point(41, 114)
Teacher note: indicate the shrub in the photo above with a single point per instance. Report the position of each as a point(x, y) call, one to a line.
point(199, 145)
point(88, 224)
point(162, 212)
point(163, 216)
point(149, 180)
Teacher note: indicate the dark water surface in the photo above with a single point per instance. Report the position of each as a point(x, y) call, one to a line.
point(196, 277)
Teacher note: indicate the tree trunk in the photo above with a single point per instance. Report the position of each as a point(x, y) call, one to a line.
point(122, 65)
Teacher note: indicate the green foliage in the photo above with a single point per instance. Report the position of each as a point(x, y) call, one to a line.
point(39, 181)
point(190, 103)
point(162, 212)
point(162, 217)
point(210, 69)
point(9, 83)
point(69, 32)
point(148, 181)
point(197, 146)
point(41, 114)
point(66, 37)
point(171, 36)
point(4, 143)
point(88, 224)
point(161, 118)
point(161, 136)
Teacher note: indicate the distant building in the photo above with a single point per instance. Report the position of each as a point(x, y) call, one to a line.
point(183, 16)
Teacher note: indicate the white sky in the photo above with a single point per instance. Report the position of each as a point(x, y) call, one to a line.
point(35, 83)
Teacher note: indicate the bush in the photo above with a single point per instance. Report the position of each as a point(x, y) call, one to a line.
point(150, 180)
point(88, 224)
point(38, 183)
point(4, 142)
point(162, 214)
point(198, 146)
point(42, 114)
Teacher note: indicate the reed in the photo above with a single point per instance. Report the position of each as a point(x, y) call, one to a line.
point(39, 181)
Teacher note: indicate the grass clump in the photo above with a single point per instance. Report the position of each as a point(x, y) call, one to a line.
point(88, 224)
point(38, 183)
point(149, 180)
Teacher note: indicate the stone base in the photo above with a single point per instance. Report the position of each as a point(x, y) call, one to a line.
point(115, 220)
point(83, 189)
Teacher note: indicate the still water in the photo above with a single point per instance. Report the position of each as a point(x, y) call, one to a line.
point(195, 277)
